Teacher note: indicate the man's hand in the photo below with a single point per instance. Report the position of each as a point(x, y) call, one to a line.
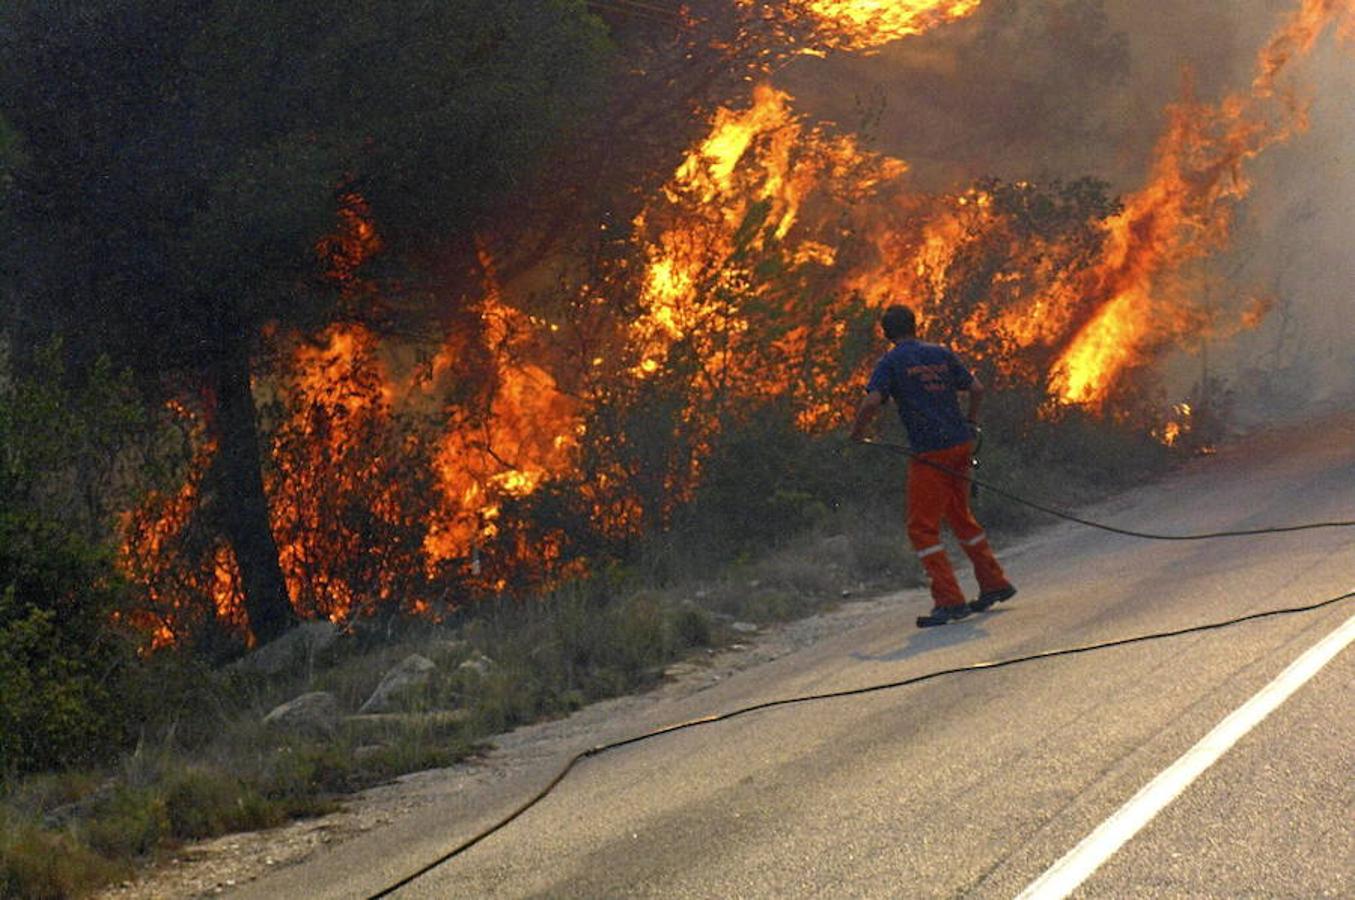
point(865, 415)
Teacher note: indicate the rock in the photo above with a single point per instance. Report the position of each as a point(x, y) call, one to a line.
point(680, 669)
point(375, 727)
point(295, 649)
point(315, 714)
point(744, 627)
point(479, 664)
point(63, 815)
point(414, 671)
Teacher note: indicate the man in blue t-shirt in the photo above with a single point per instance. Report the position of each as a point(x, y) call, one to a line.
point(924, 381)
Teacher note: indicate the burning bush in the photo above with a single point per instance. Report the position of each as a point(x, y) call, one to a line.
point(579, 403)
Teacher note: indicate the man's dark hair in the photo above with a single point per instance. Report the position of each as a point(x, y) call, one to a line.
point(899, 322)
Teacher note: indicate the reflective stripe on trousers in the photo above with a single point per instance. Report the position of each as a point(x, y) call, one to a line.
point(935, 496)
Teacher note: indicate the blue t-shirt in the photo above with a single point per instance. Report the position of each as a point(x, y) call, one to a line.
point(922, 380)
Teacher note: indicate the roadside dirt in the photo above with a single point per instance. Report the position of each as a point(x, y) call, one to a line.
point(214, 867)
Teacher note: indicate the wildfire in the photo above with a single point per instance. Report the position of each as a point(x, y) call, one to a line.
point(754, 275)
point(352, 243)
point(685, 261)
point(528, 432)
point(1183, 213)
point(1178, 425)
point(1090, 322)
point(739, 191)
point(152, 536)
point(866, 25)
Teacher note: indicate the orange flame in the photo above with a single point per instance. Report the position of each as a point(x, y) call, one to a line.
point(741, 190)
point(528, 432)
point(1183, 213)
point(768, 243)
point(152, 532)
point(866, 25)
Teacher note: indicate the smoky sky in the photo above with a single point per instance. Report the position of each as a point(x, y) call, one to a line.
point(1044, 89)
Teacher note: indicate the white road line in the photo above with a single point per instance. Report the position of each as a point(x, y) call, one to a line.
point(1077, 866)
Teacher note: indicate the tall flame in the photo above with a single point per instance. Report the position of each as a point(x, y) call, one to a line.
point(1183, 213)
point(528, 432)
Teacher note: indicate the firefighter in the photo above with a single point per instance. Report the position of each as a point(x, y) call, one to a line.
point(924, 381)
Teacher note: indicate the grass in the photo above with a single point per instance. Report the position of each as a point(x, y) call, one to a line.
point(217, 769)
point(40, 863)
point(66, 835)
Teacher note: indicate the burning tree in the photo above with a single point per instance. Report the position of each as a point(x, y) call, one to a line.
point(607, 343)
point(184, 161)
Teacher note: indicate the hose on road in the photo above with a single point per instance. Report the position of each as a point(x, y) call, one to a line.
point(1128, 532)
point(975, 667)
point(833, 695)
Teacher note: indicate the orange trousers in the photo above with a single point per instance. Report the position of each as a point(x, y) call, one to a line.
point(934, 496)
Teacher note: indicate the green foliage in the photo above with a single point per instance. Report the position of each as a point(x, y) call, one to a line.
point(129, 823)
point(79, 446)
point(62, 662)
point(58, 703)
point(691, 628)
point(9, 149)
point(587, 641)
point(765, 480)
point(10, 160)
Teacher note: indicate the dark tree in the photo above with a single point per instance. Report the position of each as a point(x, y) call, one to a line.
point(180, 162)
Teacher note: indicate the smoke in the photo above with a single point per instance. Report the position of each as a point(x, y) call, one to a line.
point(1041, 89)
point(1022, 89)
point(1296, 252)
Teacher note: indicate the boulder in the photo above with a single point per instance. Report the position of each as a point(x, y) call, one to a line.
point(479, 664)
point(293, 651)
point(63, 815)
point(315, 714)
point(835, 550)
point(414, 671)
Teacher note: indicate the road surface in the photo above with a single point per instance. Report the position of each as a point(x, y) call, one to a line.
point(976, 784)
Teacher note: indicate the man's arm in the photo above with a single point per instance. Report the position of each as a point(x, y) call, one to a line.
point(976, 400)
point(972, 386)
point(975, 392)
point(866, 413)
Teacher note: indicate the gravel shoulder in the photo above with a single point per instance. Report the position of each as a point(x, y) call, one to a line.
point(217, 866)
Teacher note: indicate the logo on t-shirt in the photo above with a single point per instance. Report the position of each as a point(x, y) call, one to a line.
point(932, 375)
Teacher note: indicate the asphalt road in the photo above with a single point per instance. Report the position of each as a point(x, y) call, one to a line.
point(974, 785)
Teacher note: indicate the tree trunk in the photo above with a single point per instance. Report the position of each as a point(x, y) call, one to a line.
point(244, 507)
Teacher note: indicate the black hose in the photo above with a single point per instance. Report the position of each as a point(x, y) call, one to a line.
point(1047, 654)
point(833, 695)
point(1128, 532)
